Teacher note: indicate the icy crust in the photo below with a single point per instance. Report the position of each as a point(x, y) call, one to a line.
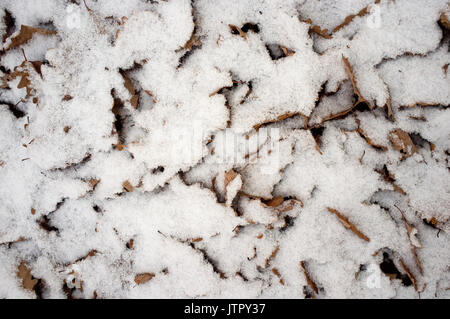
point(215, 149)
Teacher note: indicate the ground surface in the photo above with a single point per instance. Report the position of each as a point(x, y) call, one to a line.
point(278, 149)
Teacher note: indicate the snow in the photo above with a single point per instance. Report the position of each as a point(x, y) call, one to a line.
point(224, 149)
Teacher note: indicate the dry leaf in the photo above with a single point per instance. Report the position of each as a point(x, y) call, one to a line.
point(349, 19)
point(350, 73)
point(347, 224)
point(229, 177)
point(309, 281)
point(143, 278)
point(25, 34)
point(130, 244)
point(134, 101)
point(24, 273)
point(274, 202)
point(236, 29)
point(272, 256)
point(127, 186)
point(277, 273)
point(414, 241)
point(286, 51)
point(445, 20)
point(368, 139)
point(409, 274)
point(318, 30)
point(402, 142)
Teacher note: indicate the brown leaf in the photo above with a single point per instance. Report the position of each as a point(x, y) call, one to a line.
point(412, 231)
point(402, 142)
point(409, 274)
point(318, 30)
point(67, 97)
point(134, 101)
point(24, 273)
point(143, 278)
point(93, 182)
point(194, 41)
point(445, 20)
point(91, 253)
point(286, 51)
point(127, 186)
point(230, 176)
point(272, 256)
point(274, 202)
point(277, 273)
point(23, 71)
point(350, 73)
point(236, 29)
point(390, 178)
point(347, 224)
point(25, 35)
point(368, 139)
point(130, 244)
point(309, 281)
point(349, 19)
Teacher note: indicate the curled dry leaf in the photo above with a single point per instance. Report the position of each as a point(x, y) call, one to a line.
point(363, 12)
point(350, 73)
point(143, 278)
point(347, 224)
point(318, 30)
point(286, 51)
point(274, 202)
point(402, 142)
point(390, 178)
point(414, 241)
point(369, 141)
point(238, 30)
point(134, 101)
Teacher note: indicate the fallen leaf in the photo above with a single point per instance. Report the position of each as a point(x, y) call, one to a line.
point(25, 34)
point(409, 274)
point(347, 224)
point(349, 19)
point(238, 30)
point(350, 73)
point(402, 142)
point(445, 20)
point(229, 177)
point(24, 273)
point(127, 186)
point(143, 278)
point(309, 281)
point(274, 202)
point(277, 273)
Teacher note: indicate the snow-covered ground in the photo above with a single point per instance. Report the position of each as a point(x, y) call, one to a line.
point(224, 149)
